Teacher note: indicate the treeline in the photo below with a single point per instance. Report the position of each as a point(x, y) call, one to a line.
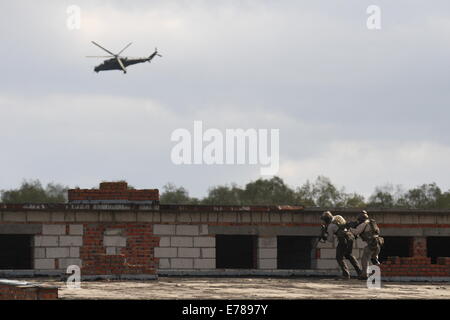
point(318, 193)
point(33, 192)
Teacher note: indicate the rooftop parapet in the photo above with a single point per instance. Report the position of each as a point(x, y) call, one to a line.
point(114, 193)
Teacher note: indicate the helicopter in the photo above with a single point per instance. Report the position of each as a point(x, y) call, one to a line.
point(120, 63)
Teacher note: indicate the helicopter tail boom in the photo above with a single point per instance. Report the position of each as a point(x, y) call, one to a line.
point(153, 55)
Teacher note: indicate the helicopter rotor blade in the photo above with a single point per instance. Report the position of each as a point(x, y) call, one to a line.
point(99, 56)
point(121, 65)
point(115, 55)
point(124, 48)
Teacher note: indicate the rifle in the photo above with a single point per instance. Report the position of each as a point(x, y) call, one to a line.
point(323, 233)
point(351, 224)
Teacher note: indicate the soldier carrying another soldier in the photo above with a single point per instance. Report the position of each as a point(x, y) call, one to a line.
point(335, 226)
point(369, 232)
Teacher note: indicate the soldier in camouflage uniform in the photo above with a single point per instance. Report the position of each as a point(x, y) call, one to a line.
point(369, 232)
point(335, 226)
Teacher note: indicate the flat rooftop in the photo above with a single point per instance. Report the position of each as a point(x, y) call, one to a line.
point(248, 288)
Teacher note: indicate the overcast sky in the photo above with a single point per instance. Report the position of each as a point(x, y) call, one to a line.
point(362, 107)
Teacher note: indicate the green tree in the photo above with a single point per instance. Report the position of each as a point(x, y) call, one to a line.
point(268, 192)
point(353, 200)
point(426, 196)
point(323, 193)
point(259, 192)
point(224, 195)
point(176, 195)
point(383, 197)
point(304, 195)
point(274, 191)
point(326, 194)
point(444, 200)
point(33, 192)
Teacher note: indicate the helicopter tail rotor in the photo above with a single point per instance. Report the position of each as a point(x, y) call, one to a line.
point(153, 55)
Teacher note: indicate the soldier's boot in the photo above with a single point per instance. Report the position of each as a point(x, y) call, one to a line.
point(345, 273)
point(359, 272)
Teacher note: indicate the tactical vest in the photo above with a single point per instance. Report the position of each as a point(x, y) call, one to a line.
point(342, 232)
point(371, 231)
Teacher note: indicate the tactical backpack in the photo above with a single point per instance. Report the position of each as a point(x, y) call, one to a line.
point(374, 229)
point(342, 233)
point(374, 238)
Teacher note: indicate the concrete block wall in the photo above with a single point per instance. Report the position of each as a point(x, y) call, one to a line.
point(100, 242)
point(187, 239)
point(268, 225)
point(267, 253)
point(119, 239)
point(185, 246)
point(58, 246)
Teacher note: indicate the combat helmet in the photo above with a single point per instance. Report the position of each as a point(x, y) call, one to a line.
point(363, 216)
point(326, 217)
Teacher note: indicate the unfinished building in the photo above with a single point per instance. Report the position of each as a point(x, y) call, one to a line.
point(115, 232)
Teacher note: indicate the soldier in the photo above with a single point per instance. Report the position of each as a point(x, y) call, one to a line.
point(335, 226)
point(369, 232)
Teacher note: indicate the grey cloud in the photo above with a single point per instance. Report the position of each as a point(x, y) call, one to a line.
point(308, 67)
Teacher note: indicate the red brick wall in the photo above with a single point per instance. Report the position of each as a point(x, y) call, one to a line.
point(136, 258)
point(418, 247)
point(418, 265)
point(415, 267)
point(113, 191)
point(27, 292)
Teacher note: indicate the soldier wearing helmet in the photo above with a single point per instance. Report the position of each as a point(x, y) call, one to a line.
point(369, 232)
point(335, 227)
